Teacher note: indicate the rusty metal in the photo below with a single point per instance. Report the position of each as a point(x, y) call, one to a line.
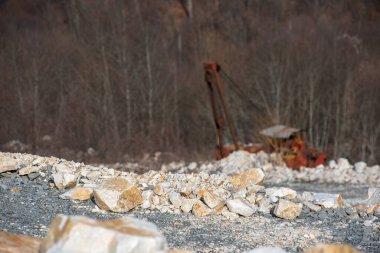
point(289, 142)
point(213, 81)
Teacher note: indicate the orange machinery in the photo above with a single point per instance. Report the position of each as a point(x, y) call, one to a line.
point(288, 142)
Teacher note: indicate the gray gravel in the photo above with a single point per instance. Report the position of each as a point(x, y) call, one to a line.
point(27, 207)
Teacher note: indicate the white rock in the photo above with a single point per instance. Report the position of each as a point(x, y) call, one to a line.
point(264, 206)
point(236, 162)
point(65, 180)
point(187, 205)
point(176, 199)
point(343, 164)
point(360, 167)
point(240, 207)
point(326, 200)
point(266, 250)
point(77, 234)
point(281, 192)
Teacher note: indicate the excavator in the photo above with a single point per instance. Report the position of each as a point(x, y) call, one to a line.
point(286, 141)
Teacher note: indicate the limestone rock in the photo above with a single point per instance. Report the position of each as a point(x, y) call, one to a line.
point(176, 199)
point(235, 162)
point(7, 164)
point(187, 205)
point(78, 193)
point(77, 234)
point(12, 243)
point(212, 200)
point(312, 207)
point(252, 176)
point(281, 192)
point(266, 250)
point(27, 170)
point(360, 167)
point(65, 180)
point(200, 209)
point(240, 207)
point(332, 248)
point(265, 206)
point(117, 195)
point(287, 209)
point(326, 200)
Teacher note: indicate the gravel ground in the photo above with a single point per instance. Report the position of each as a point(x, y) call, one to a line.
point(27, 207)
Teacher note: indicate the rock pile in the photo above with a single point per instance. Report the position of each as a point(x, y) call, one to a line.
point(202, 194)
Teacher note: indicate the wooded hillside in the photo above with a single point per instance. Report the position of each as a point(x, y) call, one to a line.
point(126, 77)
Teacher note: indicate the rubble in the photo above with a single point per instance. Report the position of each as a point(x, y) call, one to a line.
point(227, 187)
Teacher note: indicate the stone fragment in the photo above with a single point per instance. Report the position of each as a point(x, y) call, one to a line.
point(117, 195)
point(187, 205)
point(212, 200)
point(200, 209)
point(252, 176)
point(265, 206)
point(176, 199)
point(313, 207)
point(326, 200)
point(78, 193)
point(77, 234)
point(344, 164)
point(287, 209)
point(240, 207)
point(12, 243)
point(332, 248)
point(229, 215)
point(65, 180)
point(266, 250)
point(27, 170)
point(162, 188)
point(7, 164)
point(360, 167)
point(93, 175)
point(281, 192)
point(33, 176)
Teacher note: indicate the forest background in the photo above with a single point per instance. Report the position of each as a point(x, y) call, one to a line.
point(125, 78)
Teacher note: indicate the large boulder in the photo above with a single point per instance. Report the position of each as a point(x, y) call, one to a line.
point(76, 234)
point(117, 195)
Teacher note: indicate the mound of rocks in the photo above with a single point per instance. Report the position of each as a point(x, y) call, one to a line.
point(223, 193)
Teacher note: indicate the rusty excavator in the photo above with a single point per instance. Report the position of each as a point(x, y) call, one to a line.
point(288, 142)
